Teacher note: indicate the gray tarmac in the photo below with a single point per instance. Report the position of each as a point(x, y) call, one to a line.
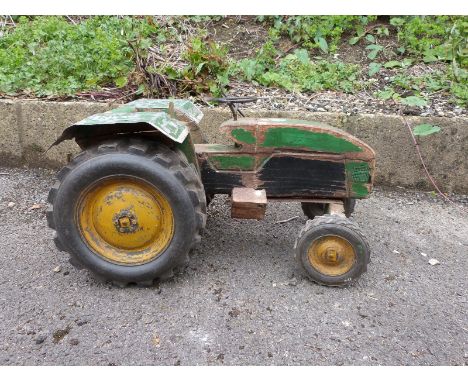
point(241, 301)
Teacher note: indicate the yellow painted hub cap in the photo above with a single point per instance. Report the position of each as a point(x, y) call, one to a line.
point(125, 220)
point(331, 255)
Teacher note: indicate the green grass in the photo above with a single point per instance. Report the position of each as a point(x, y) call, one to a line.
point(323, 32)
point(425, 35)
point(297, 72)
point(50, 56)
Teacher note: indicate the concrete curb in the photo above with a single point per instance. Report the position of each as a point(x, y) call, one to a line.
point(27, 128)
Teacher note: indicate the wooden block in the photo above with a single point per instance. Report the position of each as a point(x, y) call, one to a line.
point(248, 203)
point(336, 208)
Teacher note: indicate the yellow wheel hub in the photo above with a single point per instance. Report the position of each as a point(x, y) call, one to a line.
point(126, 221)
point(331, 255)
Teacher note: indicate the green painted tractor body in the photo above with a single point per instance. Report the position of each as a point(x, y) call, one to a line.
point(268, 159)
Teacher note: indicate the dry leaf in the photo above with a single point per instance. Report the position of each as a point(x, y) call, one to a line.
point(156, 340)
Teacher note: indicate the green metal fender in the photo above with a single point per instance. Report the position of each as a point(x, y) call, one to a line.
point(168, 116)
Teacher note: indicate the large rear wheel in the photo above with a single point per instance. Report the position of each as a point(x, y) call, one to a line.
point(129, 211)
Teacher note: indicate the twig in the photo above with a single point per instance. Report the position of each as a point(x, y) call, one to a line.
point(71, 20)
point(286, 51)
point(375, 26)
point(241, 53)
point(416, 145)
point(201, 99)
point(287, 220)
point(126, 95)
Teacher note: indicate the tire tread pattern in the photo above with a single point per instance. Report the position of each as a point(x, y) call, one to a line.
point(336, 220)
point(174, 160)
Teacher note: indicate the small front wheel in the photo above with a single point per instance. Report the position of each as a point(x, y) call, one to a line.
point(332, 251)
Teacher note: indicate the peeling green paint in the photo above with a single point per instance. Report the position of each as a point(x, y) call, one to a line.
point(294, 137)
point(244, 136)
point(188, 149)
point(182, 105)
point(359, 190)
point(124, 109)
point(233, 162)
point(358, 171)
point(172, 128)
point(358, 174)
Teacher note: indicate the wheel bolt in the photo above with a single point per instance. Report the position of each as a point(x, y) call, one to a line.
point(331, 255)
point(124, 222)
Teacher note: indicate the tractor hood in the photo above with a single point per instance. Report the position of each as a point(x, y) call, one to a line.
point(273, 134)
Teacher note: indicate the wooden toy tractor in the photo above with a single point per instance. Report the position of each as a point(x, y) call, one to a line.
point(132, 204)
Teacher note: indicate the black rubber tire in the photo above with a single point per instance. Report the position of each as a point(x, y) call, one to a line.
point(209, 199)
point(155, 163)
point(311, 210)
point(335, 225)
point(349, 205)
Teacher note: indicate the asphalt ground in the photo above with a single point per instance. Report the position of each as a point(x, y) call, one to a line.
point(241, 301)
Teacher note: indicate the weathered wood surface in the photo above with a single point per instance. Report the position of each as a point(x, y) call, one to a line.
point(248, 203)
point(289, 159)
point(270, 134)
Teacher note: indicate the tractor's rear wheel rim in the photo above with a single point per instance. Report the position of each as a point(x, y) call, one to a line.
point(332, 255)
point(125, 220)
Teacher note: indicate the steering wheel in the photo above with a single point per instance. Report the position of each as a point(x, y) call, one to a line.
point(232, 101)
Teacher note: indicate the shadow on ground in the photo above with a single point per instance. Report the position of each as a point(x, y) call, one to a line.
point(241, 301)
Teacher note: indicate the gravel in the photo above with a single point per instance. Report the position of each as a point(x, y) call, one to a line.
point(361, 102)
point(276, 99)
point(241, 301)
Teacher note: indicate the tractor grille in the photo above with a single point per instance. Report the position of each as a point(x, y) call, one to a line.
point(360, 173)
